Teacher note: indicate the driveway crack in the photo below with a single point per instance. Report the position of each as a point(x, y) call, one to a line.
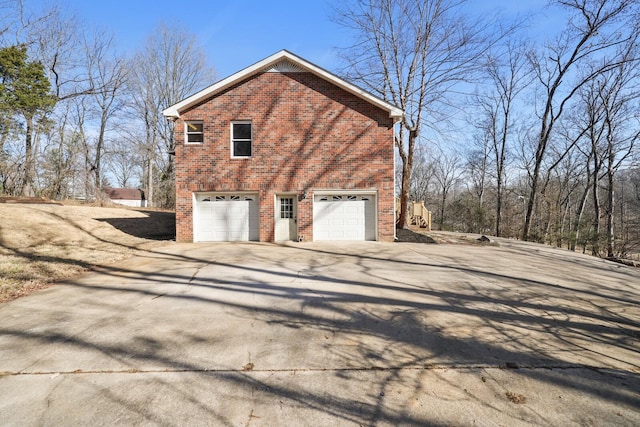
point(189, 285)
point(243, 370)
point(195, 273)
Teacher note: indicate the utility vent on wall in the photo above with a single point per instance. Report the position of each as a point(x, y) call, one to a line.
point(285, 67)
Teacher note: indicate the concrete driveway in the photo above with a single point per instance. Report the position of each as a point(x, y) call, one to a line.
point(329, 334)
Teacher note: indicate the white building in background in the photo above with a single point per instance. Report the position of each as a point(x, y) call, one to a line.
point(134, 197)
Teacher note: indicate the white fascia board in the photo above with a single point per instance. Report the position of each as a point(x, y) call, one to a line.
point(174, 110)
point(394, 112)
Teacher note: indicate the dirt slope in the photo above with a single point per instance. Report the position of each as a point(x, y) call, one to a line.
point(40, 243)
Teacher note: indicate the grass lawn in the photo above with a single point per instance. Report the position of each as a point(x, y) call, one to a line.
point(44, 243)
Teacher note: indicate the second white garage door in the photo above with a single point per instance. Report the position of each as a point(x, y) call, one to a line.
point(225, 218)
point(344, 217)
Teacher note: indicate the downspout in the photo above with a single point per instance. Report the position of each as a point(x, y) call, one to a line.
point(395, 213)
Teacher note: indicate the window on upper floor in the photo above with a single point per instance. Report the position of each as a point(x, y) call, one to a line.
point(194, 132)
point(241, 139)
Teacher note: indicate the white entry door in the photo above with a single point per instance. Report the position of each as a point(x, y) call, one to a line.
point(286, 218)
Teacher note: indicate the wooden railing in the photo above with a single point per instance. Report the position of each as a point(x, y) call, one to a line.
point(417, 214)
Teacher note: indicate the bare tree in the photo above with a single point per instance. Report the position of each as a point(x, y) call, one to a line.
point(508, 76)
point(595, 28)
point(10, 167)
point(561, 185)
point(107, 74)
point(54, 39)
point(581, 204)
point(58, 43)
point(423, 174)
point(478, 161)
point(8, 12)
point(121, 161)
point(170, 67)
point(618, 92)
point(17, 22)
point(60, 156)
point(605, 119)
point(447, 174)
point(413, 53)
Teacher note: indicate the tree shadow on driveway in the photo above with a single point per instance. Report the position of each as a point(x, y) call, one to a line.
point(357, 337)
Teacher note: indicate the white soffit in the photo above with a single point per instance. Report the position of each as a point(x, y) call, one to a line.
point(283, 61)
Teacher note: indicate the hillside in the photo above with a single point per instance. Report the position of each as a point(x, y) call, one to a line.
point(44, 243)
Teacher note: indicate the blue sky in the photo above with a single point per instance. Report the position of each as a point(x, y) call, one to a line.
point(234, 34)
point(238, 33)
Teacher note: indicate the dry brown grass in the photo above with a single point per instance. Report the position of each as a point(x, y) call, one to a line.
point(41, 244)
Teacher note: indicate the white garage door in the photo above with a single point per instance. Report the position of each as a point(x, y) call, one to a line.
point(344, 217)
point(225, 218)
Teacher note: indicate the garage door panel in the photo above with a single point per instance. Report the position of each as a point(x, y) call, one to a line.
point(344, 218)
point(225, 218)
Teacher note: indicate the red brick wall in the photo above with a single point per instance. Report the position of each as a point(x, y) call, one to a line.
point(308, 134)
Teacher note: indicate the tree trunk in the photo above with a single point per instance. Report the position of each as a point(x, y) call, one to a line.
point(168, 189)
point(404, 198)
point(566, 213)
point(576, 226)
point(27, 187)
point(500, 166)
point(595, 247)
point(444, 200)
point(150, 189)
point(530, 203)
point(610, 211)
point(499, 203)
point(535, 177)
point(97, 171)
point(407, 166)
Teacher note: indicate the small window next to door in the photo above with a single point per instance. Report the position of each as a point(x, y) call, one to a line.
point(286, 207)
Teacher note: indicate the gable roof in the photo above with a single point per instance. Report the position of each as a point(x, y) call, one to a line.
point(124, 193)
point(281, 61)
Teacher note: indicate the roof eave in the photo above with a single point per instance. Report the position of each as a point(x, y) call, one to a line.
point(396, 114)
point(174, 111)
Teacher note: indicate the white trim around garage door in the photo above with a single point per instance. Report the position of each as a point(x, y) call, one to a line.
point(345, 215)
point(225, 217)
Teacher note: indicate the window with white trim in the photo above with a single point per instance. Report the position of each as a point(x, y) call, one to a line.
point(194, 132)
point(241, 139)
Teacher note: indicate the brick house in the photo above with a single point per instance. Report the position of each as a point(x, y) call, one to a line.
point(284, 150)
